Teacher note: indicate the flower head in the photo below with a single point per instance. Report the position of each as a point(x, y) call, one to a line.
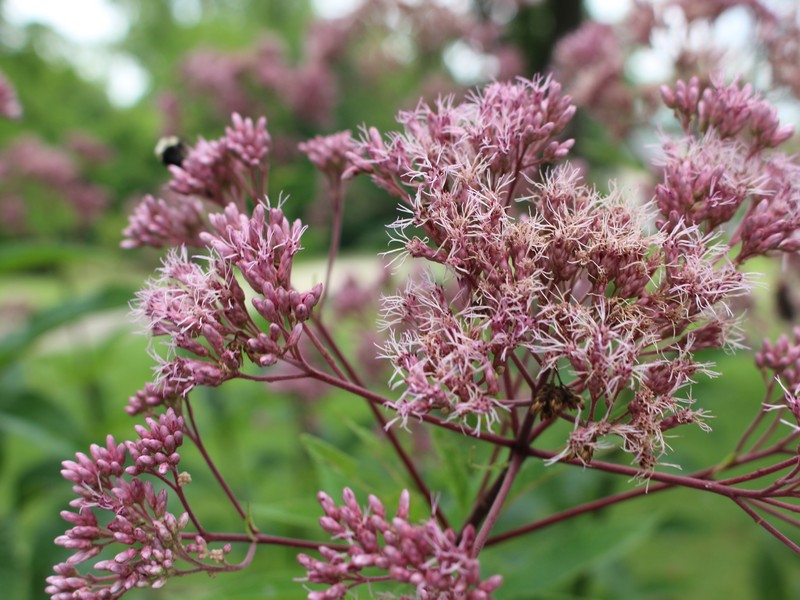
point(432, 560)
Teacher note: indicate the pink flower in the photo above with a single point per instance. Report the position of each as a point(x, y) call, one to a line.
point(433, 561)
point(330, 153)
point(728, 110)
point(10, 107)
point(590, 64)
point(206, 171)
point(161, 223)
point(706, 180)
point(249, 142)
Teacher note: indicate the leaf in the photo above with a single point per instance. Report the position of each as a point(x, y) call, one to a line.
point(457, 472)
point(335, 469)
point(43, 423)
point(48, 319)
point(37, 482)
point(35, 434)
point(380, 452)
point(25, 256)
point(297, 512)
point(9, 567)
point(537, 562)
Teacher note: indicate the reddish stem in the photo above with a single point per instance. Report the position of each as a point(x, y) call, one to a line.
point(262, 538)
point(766, 525)
point(575, 511)
point(388, 432)
point(195, 436)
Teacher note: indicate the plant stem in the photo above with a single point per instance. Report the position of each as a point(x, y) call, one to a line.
point(574, 512)
point(517, 459)
point(766, 525)
point(393, 440)
point(262, 538)
point(217, 475)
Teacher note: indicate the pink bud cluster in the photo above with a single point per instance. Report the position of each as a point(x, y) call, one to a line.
point(330, 153)
point(728, 161)
point(29, 163)
point(249, 142)
point(163, 223)
point(156, 448)
point(591, 65)
point(213, 169)
point(780, 33)
point(118, 511)
point(307, 84)
point(782, 361)
point(706, 180)
point(730, 110)
point(231, 169)
point(595, 62)
point(434, 561)
point(783, 358)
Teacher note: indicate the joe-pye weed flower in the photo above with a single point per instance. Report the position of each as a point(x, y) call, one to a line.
point(547, 305)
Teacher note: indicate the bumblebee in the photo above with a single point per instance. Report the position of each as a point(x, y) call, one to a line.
point(171, 150)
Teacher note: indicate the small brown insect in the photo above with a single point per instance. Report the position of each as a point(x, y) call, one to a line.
point(551, 399)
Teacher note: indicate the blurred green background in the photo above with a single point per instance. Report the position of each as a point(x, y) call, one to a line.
point(69, 357)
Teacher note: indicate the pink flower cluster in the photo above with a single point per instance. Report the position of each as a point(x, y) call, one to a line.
point(545, 303)
point(782, 360)
point(28, 163)
point(590, 62)
point(10, 107)
point(203, 310)
point(308, 85)
point(144, 537)
point(435, 562)
point(725, 162)
point(601, 300)
point(329, 154)
point(593, 62)
point(232, 169)
point(729, 110)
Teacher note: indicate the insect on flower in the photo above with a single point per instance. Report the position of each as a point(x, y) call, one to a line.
point(550, 399)
point(171, 150)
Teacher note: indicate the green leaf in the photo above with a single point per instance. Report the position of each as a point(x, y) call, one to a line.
point(37, 482)
point(9, 565)
point(25, 256)
point(38, 420)
point(297, 512)
point(459, 474)
point(48, 319)
point(334, 468)
point(379, 450)
point(532, 564)
point(35, 434)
